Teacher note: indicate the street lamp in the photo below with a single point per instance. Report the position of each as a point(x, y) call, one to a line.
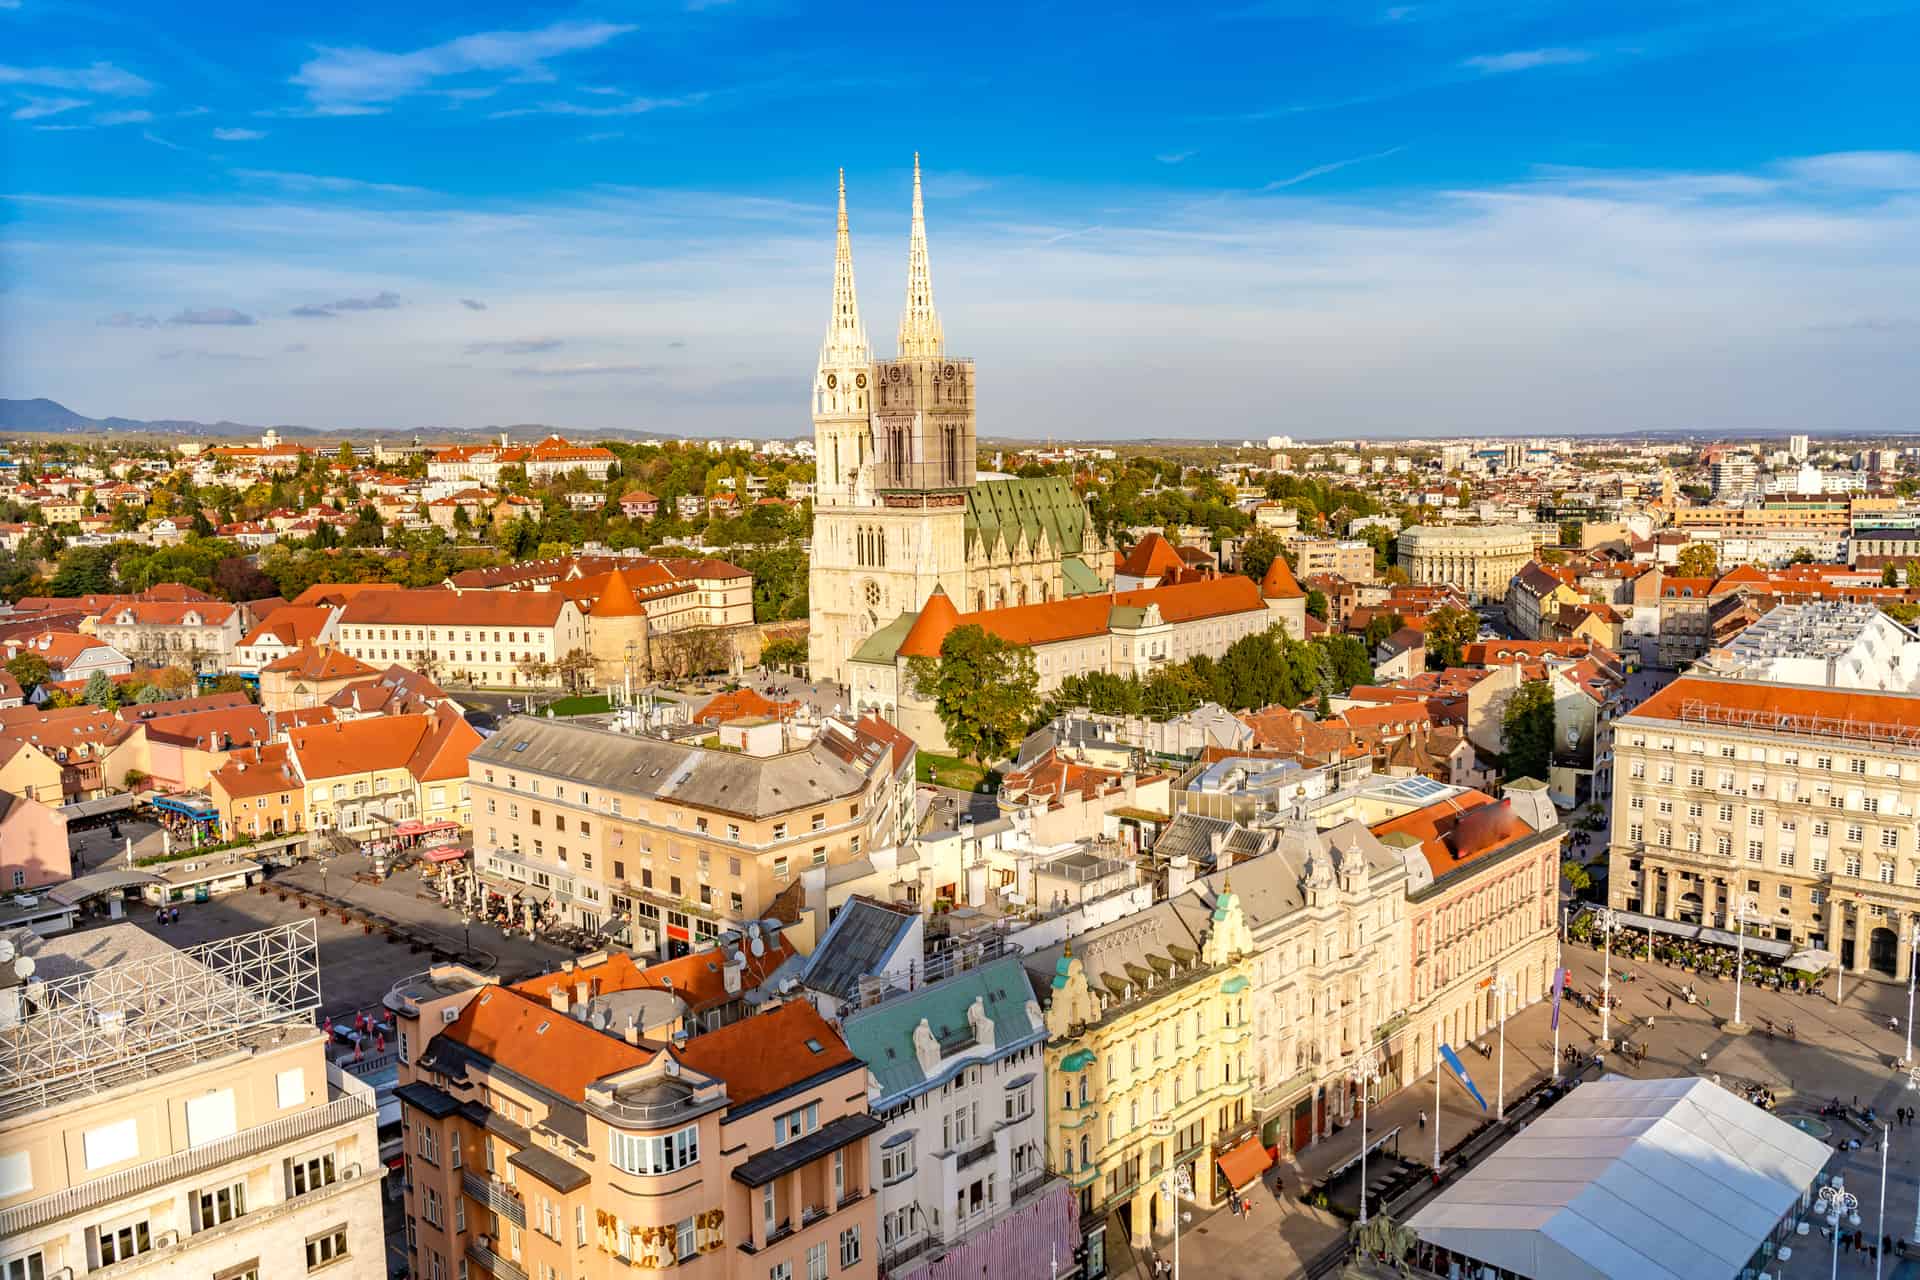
point(1744, 906)
point(1838, 1203)
point(1913, 952)
point(466, 922)
point(1367, 1072)
point(1604, 920)
point(1175, 1184)
point(1502, 988)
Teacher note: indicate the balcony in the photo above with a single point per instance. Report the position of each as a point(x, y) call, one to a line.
point(974, 1156)
point(901, 1254)
point(493, 1263)
point(495, 1195)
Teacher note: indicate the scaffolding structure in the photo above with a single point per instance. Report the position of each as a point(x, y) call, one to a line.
point(1850, 728)
point(84, 1032)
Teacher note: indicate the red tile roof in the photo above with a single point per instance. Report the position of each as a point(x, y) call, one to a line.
point(1279, 582)
point(698, 979)
point(321, 662)
point(527, 1037)
point(764, 1054)
point(1153, 558)
point(741, 703)
point(1835, 706)
point(443, 608)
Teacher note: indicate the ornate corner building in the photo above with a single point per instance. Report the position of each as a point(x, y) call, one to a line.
point(898, 507)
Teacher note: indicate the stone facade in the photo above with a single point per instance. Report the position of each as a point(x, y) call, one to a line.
point(1478, 559)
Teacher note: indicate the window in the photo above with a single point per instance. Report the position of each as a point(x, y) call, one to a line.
point(817, 1261)
point(117, 1244)
point(328, 1246)
point(1754, 850)
point(850, 1247)
point(796, 1124)
point(219, 1204)
point(1889, 839)
point(1886, 872)
point(1853, 864)
point(310, 1174)
point(769, 1210)
point(33, 1266)
point(111, 1144)
point(686, 1238)
point(780, 1271)
point(665, 1153)
point(896, 1162)
point(429, 1145)
point(290, 1088)
point(430, 1206)
point(1786, 858)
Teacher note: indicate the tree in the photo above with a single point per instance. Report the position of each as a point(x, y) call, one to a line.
point(29, 671)
point(1801, 555)
point(99, 692)
point(983, 688)
point(1380, 626)
point(1889, 576)
point(1575, 873)
point(1528, 723)
point(534, 669)
point(172, 682)
point(1449, 631)
point(1317, 604)
point(692, 651)
point(575, 670)
point(83, 571)
point(784, 653)
point(149, 695)
point(1698, 560)
point(1257, 555)
point(237, 578)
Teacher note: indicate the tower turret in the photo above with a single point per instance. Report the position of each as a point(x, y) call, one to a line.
point(920, 335)
point(840, 392)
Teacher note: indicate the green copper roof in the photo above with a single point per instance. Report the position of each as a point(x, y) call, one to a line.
point(883, 646)
point(1078, 1060)
point(1235, 985)
point(882, 1034)
point(999, 511)
point(1081, 579)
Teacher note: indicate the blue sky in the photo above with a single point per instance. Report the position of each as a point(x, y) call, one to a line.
point(1267, 217)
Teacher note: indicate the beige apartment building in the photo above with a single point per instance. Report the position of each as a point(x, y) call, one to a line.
point(473, 637)
point(1349, 558)
point(1802, 797)
point(171, 1113)
point(1478, 559)
point(547, 1137)
point(580, 824)
point(198, 634)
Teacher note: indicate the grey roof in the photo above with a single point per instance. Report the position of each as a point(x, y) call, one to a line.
point(79, 889)
point(549, 1168)
point(1131, 943)
point(1191, 835)
point(764, 1166)
point(857, 944)
point(882, 1034)
point(706, 778)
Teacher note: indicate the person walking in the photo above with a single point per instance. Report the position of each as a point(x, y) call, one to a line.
point(1669, 1004)
point(1423, 1120)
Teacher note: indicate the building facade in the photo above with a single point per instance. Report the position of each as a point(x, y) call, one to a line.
point(1802, 797)
point(1478, 559)
point(492, 638)
point(898, 507)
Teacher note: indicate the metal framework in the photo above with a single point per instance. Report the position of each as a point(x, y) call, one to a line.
point(1699, 711)
point(89, 1031)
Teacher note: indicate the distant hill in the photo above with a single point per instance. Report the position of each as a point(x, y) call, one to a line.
point(51, 415)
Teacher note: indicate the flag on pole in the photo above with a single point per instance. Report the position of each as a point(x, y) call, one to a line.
point(1459, 1070)
point(1559, 983)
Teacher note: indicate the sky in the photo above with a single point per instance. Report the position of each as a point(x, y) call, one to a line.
point(1272, 217)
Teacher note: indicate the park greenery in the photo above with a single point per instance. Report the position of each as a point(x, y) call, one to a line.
point(983, 688)
point(1527, 721)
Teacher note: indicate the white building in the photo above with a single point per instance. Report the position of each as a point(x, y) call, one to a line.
point(1836, 646)
point(955, 1072)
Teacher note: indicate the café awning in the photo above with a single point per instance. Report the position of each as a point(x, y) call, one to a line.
point(1244, 1164)
point(446, 853)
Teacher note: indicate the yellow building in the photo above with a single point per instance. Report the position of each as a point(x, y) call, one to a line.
point(1150, 1065)
point(365, 777)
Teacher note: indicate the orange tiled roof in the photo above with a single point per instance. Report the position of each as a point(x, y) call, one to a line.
point(321, 662)
point(764, 1054)
point(528, 1038)
point(339, 592)
point(929, 630)
point(1279, 582)
point(1153, 558)
point(1438, 829)
point(1901, 710)
point(430, 747)
point(697, 978)
point(438, 607)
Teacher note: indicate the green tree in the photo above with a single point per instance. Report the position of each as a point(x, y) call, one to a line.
point(784, 653)
point(1380, 626)
point(29, 671)
point(99, 692)
point(1889, 576)
point(1528, 723)
point(1575, 873)
point(984, 689)
point(1317, 604)
point(83, 571)
point(1801, 555)
point(1449, 632)
point(1698, 560)
point(1347, 661)
point(1257, 554)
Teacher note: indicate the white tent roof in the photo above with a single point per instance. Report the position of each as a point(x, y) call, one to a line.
point(1630, 1180)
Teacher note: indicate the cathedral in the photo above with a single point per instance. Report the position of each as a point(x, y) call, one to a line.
point(899, 508)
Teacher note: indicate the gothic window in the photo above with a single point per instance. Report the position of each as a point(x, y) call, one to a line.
point(873, 595)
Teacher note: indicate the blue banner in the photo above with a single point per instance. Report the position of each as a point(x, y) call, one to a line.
point(1559, 982)
point(1454, 1065)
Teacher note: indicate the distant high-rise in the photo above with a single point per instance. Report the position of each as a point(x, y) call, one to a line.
point(1797, 448)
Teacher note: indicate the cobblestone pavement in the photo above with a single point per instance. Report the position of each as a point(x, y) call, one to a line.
point(1846, 1051)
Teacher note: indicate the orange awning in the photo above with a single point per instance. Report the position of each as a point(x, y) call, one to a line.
point(1245, 1163)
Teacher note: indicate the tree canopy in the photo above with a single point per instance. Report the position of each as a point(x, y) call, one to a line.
point(1528, 723)
point(984, 689)
point(1449, 631)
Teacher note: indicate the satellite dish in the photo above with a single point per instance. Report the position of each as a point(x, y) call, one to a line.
point(6, 950)
point(23, 967)
point(755, 945)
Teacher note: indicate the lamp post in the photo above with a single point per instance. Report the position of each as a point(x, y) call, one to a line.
point(1367, 1072)
point(1744, 905)
point(1838, 1203)
point(466, 922)
point(1603, 920)
point(1913, 953)
point(1174, 1185)
point(1502, 988)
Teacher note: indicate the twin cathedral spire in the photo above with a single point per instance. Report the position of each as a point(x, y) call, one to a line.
point(920, 336)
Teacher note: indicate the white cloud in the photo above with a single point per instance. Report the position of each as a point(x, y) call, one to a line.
point(1871, 170)
point(360, 76)
point(473, 304)
point(238, 135)
point(98, 77)
point(39, 108)
point(631, 107)
point(584, 369)
point(1335, 166)
point(111, 118)
point(1526, 60)
point(514, 346)
point(323, 182)
point(1174, 157)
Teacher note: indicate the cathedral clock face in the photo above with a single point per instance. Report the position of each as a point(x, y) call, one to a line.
point(833, 381)
point(949, 372)
point(893, 374)
point(859, 379)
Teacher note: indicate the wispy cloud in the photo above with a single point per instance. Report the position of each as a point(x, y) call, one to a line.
point(1526, 60)
point(159, 141)
point(361, 76)
point(40, 108)
point(1321, 170)
point(211, 315)
point(385, 300)
point(1175, 157)
point(327, 111)
point(1867, 170)
point(1070, 235)
point(323, 182)
point(202, 353)
point(128, 320)
point(585, 369)
point(239, 135)
point(473, 304)
point(112, 118)
point(98, 77)
point(514, 346)
point(631, 107)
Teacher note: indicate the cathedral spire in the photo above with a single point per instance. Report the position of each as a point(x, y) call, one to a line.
point(919, 323)
point(846, 341)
